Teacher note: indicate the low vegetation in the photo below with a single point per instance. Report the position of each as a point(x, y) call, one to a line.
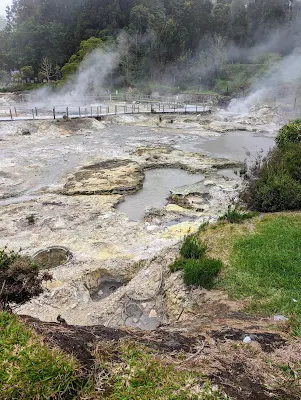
point(29, 369)
point(274, 183)
point(199, 270)
point(20, 279)
point(262, 263)
point(139, 374)
point(235, 216)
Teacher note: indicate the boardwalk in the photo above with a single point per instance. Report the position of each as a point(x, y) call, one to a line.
point(21, 112)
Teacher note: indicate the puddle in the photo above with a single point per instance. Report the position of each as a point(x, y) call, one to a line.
point(52, 257)
point(235, 145)
point(156, 189)
point(105, 289)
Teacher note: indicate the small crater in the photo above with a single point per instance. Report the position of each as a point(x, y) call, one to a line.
point(105, 288)
point(52, 257)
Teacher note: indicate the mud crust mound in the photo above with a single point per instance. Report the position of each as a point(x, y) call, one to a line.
point(106, 177)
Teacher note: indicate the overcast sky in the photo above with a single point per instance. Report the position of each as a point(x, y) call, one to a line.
point(3, 4)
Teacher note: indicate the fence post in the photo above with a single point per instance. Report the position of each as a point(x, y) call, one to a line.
point(11, 114)
point(36, 111)
point(116, 110)
point(295, 102)
point(79, 114)
point(53, 112)
point(16, 112)
point(67, 112)
point(97, 111)
point(132, 109)
point(32, 113)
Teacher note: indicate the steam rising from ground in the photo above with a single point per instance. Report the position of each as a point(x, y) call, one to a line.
point(87, 82)
point(281, 84)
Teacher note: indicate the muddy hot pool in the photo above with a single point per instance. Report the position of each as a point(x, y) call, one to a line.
point(156, 188)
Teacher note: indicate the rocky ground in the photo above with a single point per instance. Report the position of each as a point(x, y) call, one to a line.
point(61, 182)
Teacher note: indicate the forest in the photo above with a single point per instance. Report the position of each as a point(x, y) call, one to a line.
point(216, 45)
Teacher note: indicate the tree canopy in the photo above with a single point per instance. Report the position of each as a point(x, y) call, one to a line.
point(155, 35)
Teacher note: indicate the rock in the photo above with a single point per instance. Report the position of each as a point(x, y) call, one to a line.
point(247, 340)
point(26, 132)
point(280, 318)
point(153, 314)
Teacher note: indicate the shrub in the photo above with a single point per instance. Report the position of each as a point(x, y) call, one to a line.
point(290, 133)
point(201, 272)
point(192, 248)
point(19, 279)
point(274, 184)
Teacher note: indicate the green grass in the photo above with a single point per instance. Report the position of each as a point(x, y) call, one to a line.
point(29, 369)
point(139, 374)
point(265, 266)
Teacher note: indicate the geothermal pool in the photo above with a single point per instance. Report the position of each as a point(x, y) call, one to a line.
point(156, 188)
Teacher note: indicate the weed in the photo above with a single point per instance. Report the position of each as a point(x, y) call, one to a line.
point(30, 219)
point(235, 216)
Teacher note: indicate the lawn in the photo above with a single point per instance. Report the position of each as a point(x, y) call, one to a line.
point(262, 262)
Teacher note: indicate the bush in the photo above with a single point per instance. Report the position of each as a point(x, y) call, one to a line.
point(198, 269)
point(192, 248)
point(274, 184)
point(19, 279)
point(201, 272)
point(290, 133)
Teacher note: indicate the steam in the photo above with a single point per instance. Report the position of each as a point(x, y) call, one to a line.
point(85, 85)
point(281, 84)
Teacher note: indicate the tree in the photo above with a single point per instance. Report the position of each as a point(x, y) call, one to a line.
point(20, 279)
point(27, 72)
point(86, 47)
point(47, 69)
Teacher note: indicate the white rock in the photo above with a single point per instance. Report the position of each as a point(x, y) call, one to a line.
point(280, 318)
point(153, 314)
point(247, 340)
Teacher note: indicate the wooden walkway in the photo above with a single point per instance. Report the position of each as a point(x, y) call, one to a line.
point(20, 112)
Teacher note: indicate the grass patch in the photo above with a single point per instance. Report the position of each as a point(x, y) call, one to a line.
point(29, 369)
point(139, 374)
point(265, 266)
